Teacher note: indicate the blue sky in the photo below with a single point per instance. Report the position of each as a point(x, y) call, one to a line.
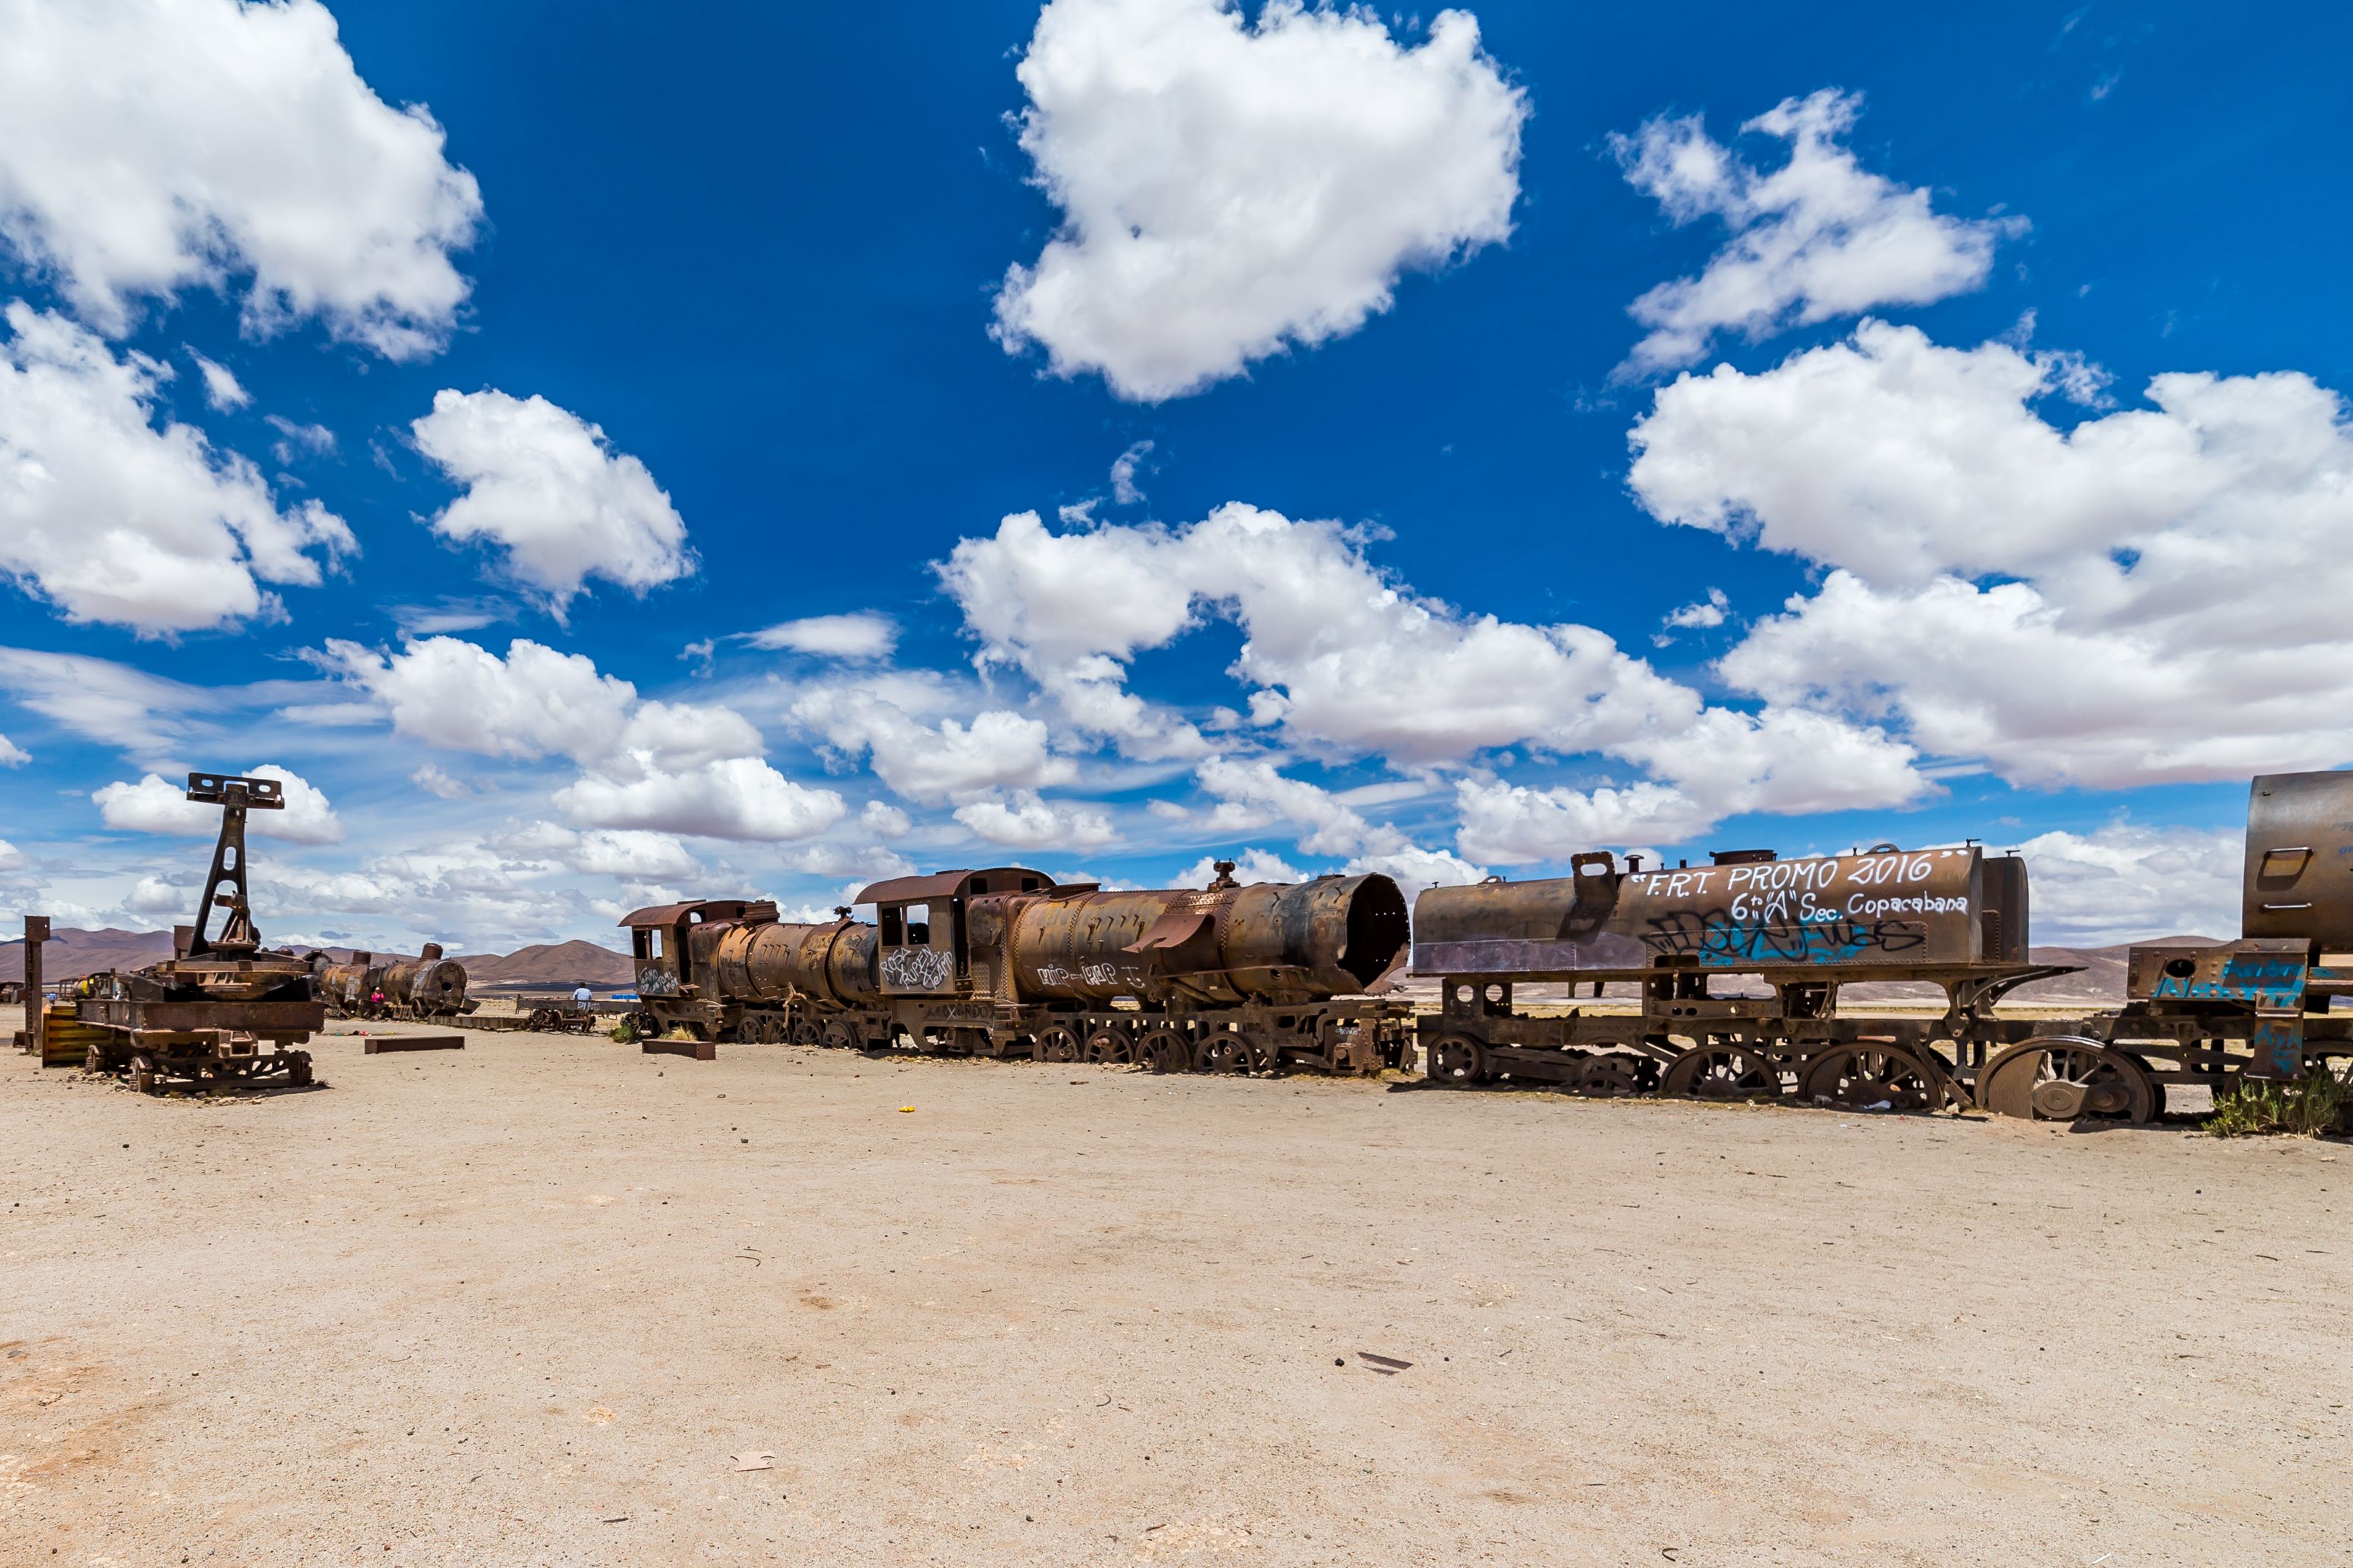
point(1975, 466)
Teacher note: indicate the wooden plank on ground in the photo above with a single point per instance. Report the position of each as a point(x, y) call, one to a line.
point(701, 1051)
point(377, 1044)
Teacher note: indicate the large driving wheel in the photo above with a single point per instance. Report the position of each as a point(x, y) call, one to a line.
point(1059, 1043)
point(806, 1032)
point(1723, 1072)
point(1164, 1050)
point(1230, 1051)
point(1457, 1061)
point(1111, 1046)
point(2067, 1077)
point(1872, 1077)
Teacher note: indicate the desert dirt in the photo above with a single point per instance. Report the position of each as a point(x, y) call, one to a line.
point(536, 1300)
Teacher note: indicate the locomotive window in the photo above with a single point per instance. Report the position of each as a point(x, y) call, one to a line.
point(653, 943)
point(919, 925)
point(892, 933)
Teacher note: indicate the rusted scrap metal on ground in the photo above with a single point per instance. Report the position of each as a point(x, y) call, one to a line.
point(549, 1016)
point(1956, 918)
point(427, 986)
point(29, 992)
point(1004, 963)
point(202, 1017)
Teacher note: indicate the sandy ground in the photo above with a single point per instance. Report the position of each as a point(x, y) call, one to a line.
point(526, 1303)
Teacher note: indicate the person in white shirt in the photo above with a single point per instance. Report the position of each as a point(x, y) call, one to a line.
point(581, 998)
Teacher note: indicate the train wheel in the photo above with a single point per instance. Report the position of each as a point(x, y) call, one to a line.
point(840, 1035)
point(1610, 1078)
point(2067, 1077)
point(1457, 1060)
point(298, 1069)
point(1164, 1050)
point(1111, 1046)
point(1723, 1072)
point(143, 1078)
point(1060, 1044)
point(1226, 1051)
point(1872, 1077)
point(806, 1032)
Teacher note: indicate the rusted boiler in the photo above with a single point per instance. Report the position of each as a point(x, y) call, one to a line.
point(1004, 962)
point(1795, 931)
point(427, 986)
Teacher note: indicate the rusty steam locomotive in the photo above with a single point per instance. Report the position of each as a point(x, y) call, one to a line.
point(427, 986)
point(1798, 931)
point(1004, 962)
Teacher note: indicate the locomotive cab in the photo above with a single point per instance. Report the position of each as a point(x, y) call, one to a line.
point(662, 945)
point(925, 926)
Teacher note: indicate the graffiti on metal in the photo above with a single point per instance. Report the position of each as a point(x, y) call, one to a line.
point(917, 968)
point(1099, 975)
point(1718, 937)
point(655, 981)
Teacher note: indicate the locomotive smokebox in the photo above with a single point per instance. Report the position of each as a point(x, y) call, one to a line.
point(1335, 936)
point(430, 984)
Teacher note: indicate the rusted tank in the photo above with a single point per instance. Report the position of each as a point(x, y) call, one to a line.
point(1890, 909)
point(2299, 875)
point(832, 964)
point(428, 984)
point(1334, 936)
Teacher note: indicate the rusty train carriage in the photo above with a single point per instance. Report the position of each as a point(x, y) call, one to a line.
point(2257, 1007)
point(1004, 962)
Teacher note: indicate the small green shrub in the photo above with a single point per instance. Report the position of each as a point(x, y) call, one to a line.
point(2306, 1107)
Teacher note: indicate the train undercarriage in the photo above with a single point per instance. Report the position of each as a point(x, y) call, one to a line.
point(1360, 1036)
point(1796, 1048)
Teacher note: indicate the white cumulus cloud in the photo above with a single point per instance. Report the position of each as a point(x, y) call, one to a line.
point(147, 146)
point(116, 521)
point(2126, 883)
point(1339, 657)
point(1817, 238)
point(13, 755)
point(2153, 593)
point(891, 722)
point(733, 797)
point(1251, 865)
point(1026, 821)
point(1229, 187)
point(459, 695)
point(647, 765)
point(547, 488)
point(223, 392)
point(860, 635)
point(155, 804)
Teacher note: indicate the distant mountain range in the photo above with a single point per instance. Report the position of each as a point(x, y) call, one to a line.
point(2099, 981)
point(70, 954)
